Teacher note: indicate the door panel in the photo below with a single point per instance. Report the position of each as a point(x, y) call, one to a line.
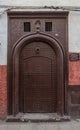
point(38, 87)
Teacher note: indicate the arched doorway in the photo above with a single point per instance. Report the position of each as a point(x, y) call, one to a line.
point(38, 77)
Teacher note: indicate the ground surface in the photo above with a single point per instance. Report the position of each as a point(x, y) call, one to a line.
point(70, 125)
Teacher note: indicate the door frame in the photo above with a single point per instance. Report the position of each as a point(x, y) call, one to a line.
point(14, 78)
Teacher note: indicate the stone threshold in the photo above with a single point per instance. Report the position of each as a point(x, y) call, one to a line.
point(37, 117)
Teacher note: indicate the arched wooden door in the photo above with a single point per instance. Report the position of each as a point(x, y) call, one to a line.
point(38, 78)
point(38, 75)
point(37, 62)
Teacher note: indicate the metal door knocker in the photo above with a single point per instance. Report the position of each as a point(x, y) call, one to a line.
point(37, 50)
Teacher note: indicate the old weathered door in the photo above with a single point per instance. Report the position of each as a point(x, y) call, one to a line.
point(38, 89)
point(37, 62)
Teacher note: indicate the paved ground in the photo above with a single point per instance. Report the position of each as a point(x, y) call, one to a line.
point(71, 125)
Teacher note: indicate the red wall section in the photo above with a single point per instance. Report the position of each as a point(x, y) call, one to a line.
point(3, 91)
point(74, 72)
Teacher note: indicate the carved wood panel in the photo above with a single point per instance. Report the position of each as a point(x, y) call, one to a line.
point(38, 78)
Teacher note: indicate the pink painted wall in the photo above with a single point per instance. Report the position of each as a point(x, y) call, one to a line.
point(74, 72)
point(3, 91)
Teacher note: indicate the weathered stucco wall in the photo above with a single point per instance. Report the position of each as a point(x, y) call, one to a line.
point(3, 39)
point(74, 31)
point(41, 2)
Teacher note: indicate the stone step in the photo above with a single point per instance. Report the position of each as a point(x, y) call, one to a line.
point(37, 117)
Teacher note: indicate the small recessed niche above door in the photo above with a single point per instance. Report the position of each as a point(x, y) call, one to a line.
point(27, 27)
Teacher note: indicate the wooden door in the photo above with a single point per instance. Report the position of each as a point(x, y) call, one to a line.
point(37, 72)
point(38, 88)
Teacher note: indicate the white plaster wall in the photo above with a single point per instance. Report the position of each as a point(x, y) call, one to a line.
point(3, 39)
point(74, 31)
point(41, 2)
